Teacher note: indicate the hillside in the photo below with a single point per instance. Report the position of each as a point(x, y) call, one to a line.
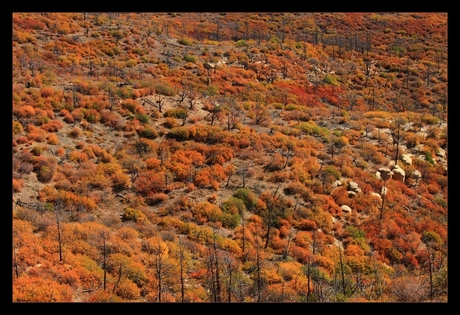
point(229, 157)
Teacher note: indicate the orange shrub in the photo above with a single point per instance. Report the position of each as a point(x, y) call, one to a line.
point(52, 139)
point(190, 187)
point(78, 156)
point(306, 225)
point(38, 289)
point(152, 163)
point(75, 132)
point(46, 91)
point(35, 133)
point(68, 118)
point(60, 151)
point(205, 211)
point(18, 184)
point(150, 182)
point(155, 198)
point(26, 111)
point(52, 126)
point(22, 140)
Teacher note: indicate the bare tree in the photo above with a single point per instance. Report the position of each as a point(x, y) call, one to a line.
point(214, 112)
point(162, 267)
point(182, 269)
point(233, 112)
point(104, 235)
point(342, 272)
point(397, 134)
point(58, 207)
point(160, 101)
point(142, 147)
point(243, 172)
point(133, 166)
point(120, 269)
point(213, 271)
point(259, 281)
point(259, 113)
point(289, 148)
point(271, 204)
point(229, 271)
point(163, 151)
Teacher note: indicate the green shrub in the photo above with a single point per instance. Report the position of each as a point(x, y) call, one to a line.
point(163, 88)
point(241, 43)
point(41, 119)
point(429, 157)
point(355, 232)
point(149, 133)
point(233, 205)
point(439, 200)
point(45, 174)
point(210, 90)
point(185, 41)
point(179, 133)
point(132, 214)
point(17, 127)
point(229, 221)
point(333, 171)
point(36, 150)
point(131, 63)
point(116, 50)
point(330, 79)
point(290, 107)
point(430, 119)
point(125, 92)
point(178, 113)
point(190, 58)
point(139, 51)
point(249, 198)
point(143, 118)
point(277, 105)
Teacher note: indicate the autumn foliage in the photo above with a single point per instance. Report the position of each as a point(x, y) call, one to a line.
point(229, 157)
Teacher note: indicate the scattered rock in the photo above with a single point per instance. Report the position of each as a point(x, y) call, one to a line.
point(385, 173)
point(353, 187)
point(346, 209)
point(383, 191)
point(416, 175)
point(405, 158)
point(336, 184)
point(351, 194)
point(441, 153)
point(398, 173)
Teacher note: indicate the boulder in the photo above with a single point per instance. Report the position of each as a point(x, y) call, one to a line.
point(383, 191)
point(385, 173)
point(351, 194)
point(405, 158)
point(416, 175)
point(353, 187)
point(336, 184)
point(419, 148)
point(209, 65)
point(346, 209)
point(441, 153)
point(398, 173)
